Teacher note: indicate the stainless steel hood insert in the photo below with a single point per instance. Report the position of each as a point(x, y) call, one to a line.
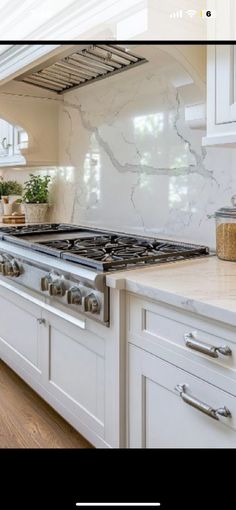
point(81, 67)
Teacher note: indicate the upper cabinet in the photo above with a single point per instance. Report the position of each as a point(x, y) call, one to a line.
point(35, 142)
point(13, 143)
point(221, 95)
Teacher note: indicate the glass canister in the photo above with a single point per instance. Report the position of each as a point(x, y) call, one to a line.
point(226, 231)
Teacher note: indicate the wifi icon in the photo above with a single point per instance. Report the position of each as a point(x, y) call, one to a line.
point(191, 13)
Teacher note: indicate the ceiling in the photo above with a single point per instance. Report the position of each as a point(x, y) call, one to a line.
point(60, 19)
point(67, 20)
point(20, 18)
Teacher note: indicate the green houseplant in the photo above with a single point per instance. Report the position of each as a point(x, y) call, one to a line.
point(11, 189)
point(35, 198)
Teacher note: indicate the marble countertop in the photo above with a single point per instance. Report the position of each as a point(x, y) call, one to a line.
point(206, 286)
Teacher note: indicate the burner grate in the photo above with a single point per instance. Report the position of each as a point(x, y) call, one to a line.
point(112, 261)
point(99, 250)
point(109, 252)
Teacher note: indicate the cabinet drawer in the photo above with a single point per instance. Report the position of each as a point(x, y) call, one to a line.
point(160, 418)
point(159, 329)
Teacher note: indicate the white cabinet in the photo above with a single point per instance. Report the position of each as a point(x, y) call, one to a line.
point(222, 26)
point(221, 95)
point(171, 349)
point(12, 140)
point(225, 68)
point(72, 367)
point(159, 418)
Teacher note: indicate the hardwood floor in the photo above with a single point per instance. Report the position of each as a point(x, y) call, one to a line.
point(26, 421)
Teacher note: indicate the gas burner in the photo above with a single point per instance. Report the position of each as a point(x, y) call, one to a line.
point(125, 241)
point(91, 242)
point(90, 253)
point(64, 244)
point(129, 252)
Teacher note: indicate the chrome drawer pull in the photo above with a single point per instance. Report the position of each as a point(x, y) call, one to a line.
point(210, 350)
point(201, 406)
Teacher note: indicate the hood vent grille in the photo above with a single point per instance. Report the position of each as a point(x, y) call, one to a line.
point(82, 67)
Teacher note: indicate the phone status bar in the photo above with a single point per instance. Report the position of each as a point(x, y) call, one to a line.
point(192, 13)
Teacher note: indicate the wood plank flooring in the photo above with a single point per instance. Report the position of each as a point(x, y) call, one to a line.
point(27, 421)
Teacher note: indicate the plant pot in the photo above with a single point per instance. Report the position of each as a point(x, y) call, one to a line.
point(16, 208)
point(7, 209)
point(35, 213)
point(1, 208)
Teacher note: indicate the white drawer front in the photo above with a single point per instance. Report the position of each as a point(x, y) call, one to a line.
point(159, 418)
point(159, 329)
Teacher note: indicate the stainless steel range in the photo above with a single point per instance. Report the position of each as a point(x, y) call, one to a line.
point(68, 263)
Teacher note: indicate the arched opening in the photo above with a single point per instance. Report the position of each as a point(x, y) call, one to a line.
point(13, 143)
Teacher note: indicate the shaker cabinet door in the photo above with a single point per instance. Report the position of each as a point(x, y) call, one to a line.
point(22, 344)
point(225, 63)
point(75, 374)
point(160, 418)
point(221, 95)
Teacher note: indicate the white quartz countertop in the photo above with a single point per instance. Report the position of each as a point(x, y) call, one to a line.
point(206, 286)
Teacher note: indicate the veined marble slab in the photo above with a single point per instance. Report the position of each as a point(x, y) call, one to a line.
point(206, 286)
point(129, 160)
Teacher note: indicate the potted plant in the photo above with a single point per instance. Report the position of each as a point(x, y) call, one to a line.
point(11, 189)
point(35, 198)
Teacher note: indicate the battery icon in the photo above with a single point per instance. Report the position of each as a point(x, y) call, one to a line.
point(206, 14)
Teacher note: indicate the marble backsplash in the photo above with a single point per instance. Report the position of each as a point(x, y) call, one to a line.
point(129, 161)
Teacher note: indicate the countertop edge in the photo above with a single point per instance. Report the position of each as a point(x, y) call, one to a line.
point(202, 306)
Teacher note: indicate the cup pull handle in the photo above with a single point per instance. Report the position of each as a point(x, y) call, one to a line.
point(202, 406)
point(211, 350)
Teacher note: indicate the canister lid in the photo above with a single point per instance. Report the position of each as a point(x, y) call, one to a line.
point(228, 211)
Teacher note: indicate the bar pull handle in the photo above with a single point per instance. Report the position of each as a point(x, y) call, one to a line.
point(211, 350)
point(202, 406)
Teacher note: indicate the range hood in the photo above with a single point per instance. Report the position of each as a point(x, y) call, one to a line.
point(80, 66)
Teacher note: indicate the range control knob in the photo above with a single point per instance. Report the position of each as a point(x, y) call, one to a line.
point(91, 304)
point(15, 268)
point(44, 283)
point(2, 263)
point(10, 268)
point(56, 288)
point(74, 296)
point(2, 267)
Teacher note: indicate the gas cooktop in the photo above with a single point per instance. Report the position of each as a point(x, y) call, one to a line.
point(101, 250)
